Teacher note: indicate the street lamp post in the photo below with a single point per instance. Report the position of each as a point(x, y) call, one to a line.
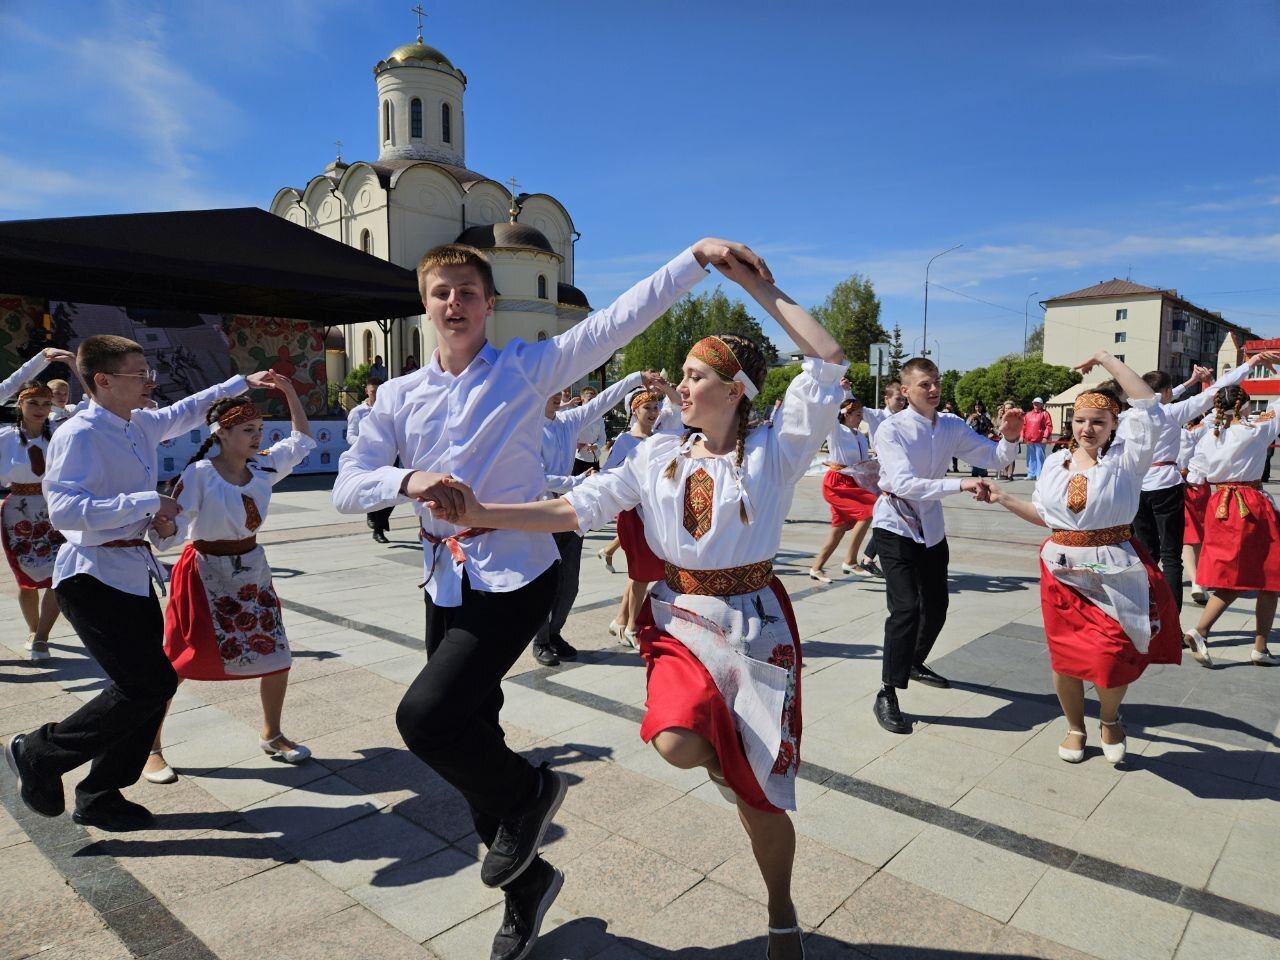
point(925, 352)
point(1026, 304)
point(925, 332)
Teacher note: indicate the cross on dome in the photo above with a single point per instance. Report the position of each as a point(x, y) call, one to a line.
point(512, 183)
point(421, 13)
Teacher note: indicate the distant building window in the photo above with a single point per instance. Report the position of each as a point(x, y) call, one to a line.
point(415, 118)
point(1122, 314)
point(446, 123)
point(368, 346)
point(1120, 336)
point(386, 121)
point(366, 241)
point(542, 287)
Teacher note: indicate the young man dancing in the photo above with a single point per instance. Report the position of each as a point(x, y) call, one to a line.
point(915, 448)
point(100, 484)
point(472, 413)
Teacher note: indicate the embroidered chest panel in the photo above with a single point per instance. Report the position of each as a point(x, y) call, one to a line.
point(699, 502)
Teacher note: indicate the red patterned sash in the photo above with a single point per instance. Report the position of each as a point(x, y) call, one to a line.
point(729, 582)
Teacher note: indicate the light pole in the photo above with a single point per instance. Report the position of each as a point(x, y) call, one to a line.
point(925, 352)
point(925, 332)
point(1026, 304)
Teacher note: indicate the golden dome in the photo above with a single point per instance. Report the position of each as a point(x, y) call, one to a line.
point(417, 51)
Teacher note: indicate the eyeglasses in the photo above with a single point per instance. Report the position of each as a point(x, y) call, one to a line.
point(148, 375)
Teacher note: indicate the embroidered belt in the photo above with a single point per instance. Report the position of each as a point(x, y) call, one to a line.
point(1106, 537)
point(1233, 488)
point(452, 543)
point(1165, 463)
point(225, 548)
point(729, 582)
point(26, 489)
point(135, 542)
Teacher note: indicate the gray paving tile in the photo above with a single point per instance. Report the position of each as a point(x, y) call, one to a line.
point(312, 809)
point(1209, 939)
point(429, 896)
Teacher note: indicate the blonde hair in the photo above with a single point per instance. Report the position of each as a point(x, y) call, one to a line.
point(455, 255)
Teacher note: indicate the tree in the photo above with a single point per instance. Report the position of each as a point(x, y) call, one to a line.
point(947, 386)
point(1013, 377)
point(665, 344)
point(775, 385)
point(1035, 342)
point(896, 354)
point(851, 314)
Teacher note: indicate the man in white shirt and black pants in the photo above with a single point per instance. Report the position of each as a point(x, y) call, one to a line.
point(472, 412)
point(915, 448)
point(100, 484)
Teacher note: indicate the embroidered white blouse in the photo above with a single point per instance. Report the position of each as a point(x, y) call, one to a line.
point(15, 461)
point(1239, 452)
point(775, 459)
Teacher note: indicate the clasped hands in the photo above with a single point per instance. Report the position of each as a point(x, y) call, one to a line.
point(448, 498)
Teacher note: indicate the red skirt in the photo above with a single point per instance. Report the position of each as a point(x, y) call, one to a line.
point(682, 694)
point(1195, 503)
point(849, 502)
point(643, 565)
point(1087, 644)
point(1240, 553)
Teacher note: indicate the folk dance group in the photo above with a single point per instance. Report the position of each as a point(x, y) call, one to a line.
point(476, 439)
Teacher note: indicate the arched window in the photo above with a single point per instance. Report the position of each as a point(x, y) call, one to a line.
point(368, 346)
point(366, 241)
point(542, 287)
point(386, 121)
point(415, 118)
point(446, 123)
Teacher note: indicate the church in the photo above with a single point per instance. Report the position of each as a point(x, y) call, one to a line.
point(418, 193)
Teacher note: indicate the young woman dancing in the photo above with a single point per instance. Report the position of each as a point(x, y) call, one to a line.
point(1108, 611)
point(29, 540)
point(1195, 501)
point(850, 490)
point(1241, 548)
point(223, 621)
point(718, 632)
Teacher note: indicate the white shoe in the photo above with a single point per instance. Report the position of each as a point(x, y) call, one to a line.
point(631, 638)
point(1072, 756)
point(288, 755)
point(1114, 752)
point(37, 650)
point(1199, 648)
point(1263, 658)
point(784, 931)
point(616, 628)
point(608, 560)
point(164, 775)
point(819, 576)
point(1198, 595)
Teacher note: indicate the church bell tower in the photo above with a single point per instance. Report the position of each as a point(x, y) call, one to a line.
point(420, 105)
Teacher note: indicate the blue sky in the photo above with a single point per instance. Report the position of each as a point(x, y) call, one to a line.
point(1062, 144)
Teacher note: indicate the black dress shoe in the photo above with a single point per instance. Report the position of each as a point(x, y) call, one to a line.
point(887, 713)
point(527, 903)
point(380, 537)
point(563, 649)
point(545, 655)
point(922, 674)
point(518, 839)
point(41, 794)
point(112, 812)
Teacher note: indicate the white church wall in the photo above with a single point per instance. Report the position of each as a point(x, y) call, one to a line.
point(426, 210)
point(401, 85)
point(543, 213)
point(486, 203)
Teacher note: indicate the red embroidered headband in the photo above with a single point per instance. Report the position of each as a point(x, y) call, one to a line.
point(36, 391)
point(719, 356)
point(242, 413)
point(1097, 401)
point(641, 397)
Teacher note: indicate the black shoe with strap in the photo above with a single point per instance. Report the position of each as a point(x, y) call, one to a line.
point(545, 655)
point(887, 713)
point(563, 649)
point(922, 674)
point(41, 794)
point(527, 904)
point(516, 844)
point(111, 811)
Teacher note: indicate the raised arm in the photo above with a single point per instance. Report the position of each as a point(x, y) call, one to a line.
point(31, 368)
point(1126, 378)
point(810, 336)
point(165, 423)
point(1202, 402)
point(601, 403)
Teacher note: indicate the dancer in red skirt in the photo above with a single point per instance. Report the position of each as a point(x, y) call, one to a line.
point(223, 621)
point(849, 488)
point(1108, 611)
point(29, 540)
point(643, 566)
point(718, 633)
point(1241, 549)
point(1195, 500)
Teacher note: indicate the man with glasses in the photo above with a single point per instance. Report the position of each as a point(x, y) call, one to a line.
point(100, 484)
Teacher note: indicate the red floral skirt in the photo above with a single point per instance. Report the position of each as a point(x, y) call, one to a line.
point(1087, 644)
point(223, 618)
point(642, 564)
point(1195, 503)
point(849, 502)
point(1240, 553)
point(29, 540)
point(682, 694)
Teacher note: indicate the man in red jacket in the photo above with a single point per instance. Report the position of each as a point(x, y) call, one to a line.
point(1037, 430)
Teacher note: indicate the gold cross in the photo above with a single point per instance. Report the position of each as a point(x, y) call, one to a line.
point(514, 211)
point(421, 13)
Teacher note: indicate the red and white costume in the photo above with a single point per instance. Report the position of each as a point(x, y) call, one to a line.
point(1108, 612)
point(719, 635)
point(223, 621)
point(29, 540)
point(643, 565)
point(1241, 548)
point(850, 491)
point(1195, 490)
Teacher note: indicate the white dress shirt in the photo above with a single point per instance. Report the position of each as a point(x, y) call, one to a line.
point(482, 426)
point(100, 484)
point(915, 454)
point(560, 433)
point(592, 432)
point(355, 418)
point(1239, 452)
point(874, 417)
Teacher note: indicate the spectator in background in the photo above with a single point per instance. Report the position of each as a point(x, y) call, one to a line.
point(1037, 430)
point(379, 520)
point(591, 439)
point(410, 365)
point(950, 408)
point(378, 370)
point(980, 424)
point(1005, 473)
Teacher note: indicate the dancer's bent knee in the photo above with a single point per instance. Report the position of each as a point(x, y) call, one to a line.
point(683, 748)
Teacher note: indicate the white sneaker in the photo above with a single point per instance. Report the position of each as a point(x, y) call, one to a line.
point(37, 650)
point(287, 754)
point(1263, 658)
point(1199, 648)
point(608, 560)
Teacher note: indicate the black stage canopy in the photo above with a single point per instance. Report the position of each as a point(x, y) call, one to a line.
point(241, 260)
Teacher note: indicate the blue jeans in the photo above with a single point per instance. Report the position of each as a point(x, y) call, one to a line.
point(1035, 459)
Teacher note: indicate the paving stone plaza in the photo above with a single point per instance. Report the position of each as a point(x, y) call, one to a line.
point(968, 838)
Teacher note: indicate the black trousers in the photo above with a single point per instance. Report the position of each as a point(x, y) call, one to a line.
point(449, 714)
point(381, 519)
point(124, 633)
point(1159, 525)
point(915, 582)
point(569, 544)
point(582, 466)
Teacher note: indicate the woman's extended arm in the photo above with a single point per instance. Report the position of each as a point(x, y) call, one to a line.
point(1134, 387)
point(1019, 507)
point(541, 516)
point(810, 336)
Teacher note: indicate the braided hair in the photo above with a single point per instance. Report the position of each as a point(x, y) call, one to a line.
point(46, 431)
point(1227, 405)
point(1104, 389)
point(215, 411)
